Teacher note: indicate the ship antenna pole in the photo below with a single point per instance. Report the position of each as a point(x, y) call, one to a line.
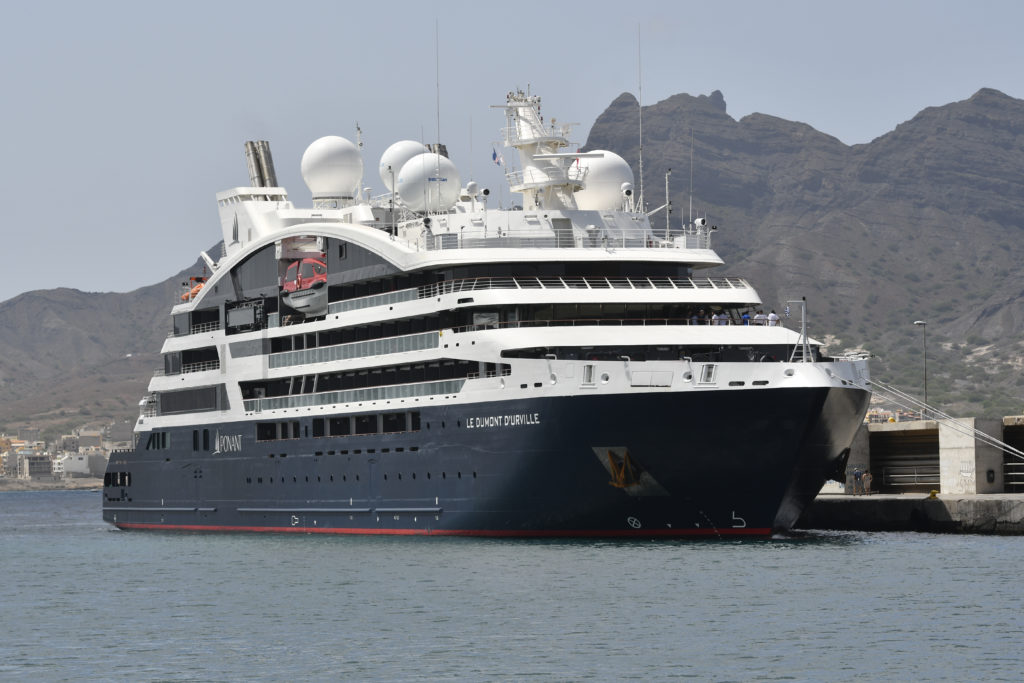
point(437, 77)
point(437, 87)
point(668, 205)
point(640, 105)
point(691, 174)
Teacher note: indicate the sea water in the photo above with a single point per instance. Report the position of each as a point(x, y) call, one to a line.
point(81, 600)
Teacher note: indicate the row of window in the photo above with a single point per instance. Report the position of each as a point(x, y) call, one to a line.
point(345, 335)
point(703, 354)
point(158, 441)
point(379, 423)
point(117, 478)
point(370, 377)
point(344, 478)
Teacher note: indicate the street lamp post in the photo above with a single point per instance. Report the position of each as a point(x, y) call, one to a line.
point(924, 345)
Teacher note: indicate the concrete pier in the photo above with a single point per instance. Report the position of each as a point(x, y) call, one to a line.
point(1000, 513)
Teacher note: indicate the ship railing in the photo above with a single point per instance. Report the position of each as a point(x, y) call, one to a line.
point(149, 406)
point(539, 282)
point(372, 300)
point(197, 329)
point(554, 135)
point(606, 322)
point(569, 240)
point(547, 175)
point(358, 349)
point(504, 372)
point(393, 391)
point(538, 237)
point(583, 282)
point(189, 367)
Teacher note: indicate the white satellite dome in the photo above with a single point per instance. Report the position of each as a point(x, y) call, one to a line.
point(395, 157)
point(332, 167)
point(428, 182)
point(604, 181)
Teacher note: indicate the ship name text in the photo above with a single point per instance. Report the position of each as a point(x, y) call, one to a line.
point(515, 420)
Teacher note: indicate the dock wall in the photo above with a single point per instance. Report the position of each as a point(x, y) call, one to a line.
point(939, 455)
point(980, 514)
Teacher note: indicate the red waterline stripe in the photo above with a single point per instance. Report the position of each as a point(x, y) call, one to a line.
point(458, 532)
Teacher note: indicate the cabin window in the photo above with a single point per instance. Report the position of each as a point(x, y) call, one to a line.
point(339, 426)
point(366, 424)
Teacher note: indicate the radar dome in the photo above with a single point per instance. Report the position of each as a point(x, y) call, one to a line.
point(332, 167)
point(395, 156)
point(428, 182)
point(604, 181)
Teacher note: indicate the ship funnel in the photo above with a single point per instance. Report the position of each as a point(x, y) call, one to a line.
point(260, 163)
point(438, 148)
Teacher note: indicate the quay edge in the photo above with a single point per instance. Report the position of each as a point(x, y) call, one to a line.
point(996, 514)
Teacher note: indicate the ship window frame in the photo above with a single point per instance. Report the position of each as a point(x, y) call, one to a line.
point(708, 373)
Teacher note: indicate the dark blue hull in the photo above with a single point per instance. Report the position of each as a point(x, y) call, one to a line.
point(660, 464)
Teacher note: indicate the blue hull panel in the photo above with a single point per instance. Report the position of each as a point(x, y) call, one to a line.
point(660, 464)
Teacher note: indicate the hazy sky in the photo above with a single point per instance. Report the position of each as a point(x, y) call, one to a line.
point(121, 120)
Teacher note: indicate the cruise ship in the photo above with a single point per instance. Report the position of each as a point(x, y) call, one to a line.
point(423, 362)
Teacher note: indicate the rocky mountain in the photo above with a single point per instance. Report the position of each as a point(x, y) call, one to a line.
point(69, 357)
point(923, 223)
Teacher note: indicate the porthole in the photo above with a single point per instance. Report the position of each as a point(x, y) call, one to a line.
point(687, 376)
point(604, 378)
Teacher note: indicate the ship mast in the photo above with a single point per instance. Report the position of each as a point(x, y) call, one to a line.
point(548, 176)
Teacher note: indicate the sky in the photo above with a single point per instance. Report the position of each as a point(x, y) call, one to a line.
point(121, 120)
